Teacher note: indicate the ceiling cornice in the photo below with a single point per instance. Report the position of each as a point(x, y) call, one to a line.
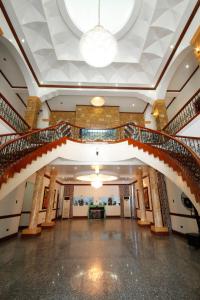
point(101, 87)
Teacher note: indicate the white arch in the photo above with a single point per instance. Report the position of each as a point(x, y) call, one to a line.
point(162, 89)
point(107, 153)
point(17, 56)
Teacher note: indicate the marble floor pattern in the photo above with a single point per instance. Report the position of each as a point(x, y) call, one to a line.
point(112, 259)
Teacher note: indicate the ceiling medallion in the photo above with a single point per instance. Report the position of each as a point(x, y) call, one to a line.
point(98, 46)
point(97, 101)
point(96, 178)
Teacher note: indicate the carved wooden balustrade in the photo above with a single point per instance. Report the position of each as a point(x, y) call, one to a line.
point(11, 116)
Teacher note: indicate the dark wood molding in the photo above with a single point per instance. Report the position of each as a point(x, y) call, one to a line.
point(10, 216)
point(171, 102)
point(195, 9)
point(145, 108)
point(48, 106)
point(182, 87)
point(20, 98)
point(182, 215)
point(10, 84)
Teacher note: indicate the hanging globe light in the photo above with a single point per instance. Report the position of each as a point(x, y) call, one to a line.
point(98, 46)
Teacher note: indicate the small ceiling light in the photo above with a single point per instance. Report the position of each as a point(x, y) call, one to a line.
point(23, 40)
point(187, 66)
point(97, 101)
point(98, 46)
point(133, 104)
point(79, 83)
point(171, 46)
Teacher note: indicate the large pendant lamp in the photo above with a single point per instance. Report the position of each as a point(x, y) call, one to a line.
point(98, 46)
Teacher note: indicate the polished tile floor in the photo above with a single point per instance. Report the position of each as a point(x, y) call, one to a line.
point(112, 260)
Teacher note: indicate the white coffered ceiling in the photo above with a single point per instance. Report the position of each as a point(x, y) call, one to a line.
point(53, 47)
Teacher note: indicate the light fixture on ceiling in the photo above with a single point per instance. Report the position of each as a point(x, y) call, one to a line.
point(187, 66)
point(96, 179)
point(97, 183)
point(98, 46)
point(97, 101)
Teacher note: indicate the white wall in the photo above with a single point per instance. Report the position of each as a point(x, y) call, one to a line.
point(104, 191)
point(179, 223)
point(11, 97)
point(188, 91)
point(13, 205)
point(4, 128)
point(192, 129)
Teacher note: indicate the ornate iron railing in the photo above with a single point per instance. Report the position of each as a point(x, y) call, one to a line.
point(174, 148)
point(185, 156)
point(188, 112)
point(11, 116)
point(97, 135)
point(4, 138)
point(15, 149)
point(191, 141)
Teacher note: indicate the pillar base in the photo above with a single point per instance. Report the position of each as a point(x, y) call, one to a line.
point(143, 223)
point(159, 230)
point(31, 231)
point(48, 224)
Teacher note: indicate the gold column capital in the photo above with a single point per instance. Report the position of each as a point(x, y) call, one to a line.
point(33, 108)
point(159, 112)
point(1, 31)
point(36, 99)
point(195, 43)
point(53, 172)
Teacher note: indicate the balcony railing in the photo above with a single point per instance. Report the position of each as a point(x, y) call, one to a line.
point(191, 141)
point(9, 115)
point(188, 112)
point(178, 151)
point(4, 138)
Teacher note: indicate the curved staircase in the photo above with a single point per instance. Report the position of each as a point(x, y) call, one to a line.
point(18, 153)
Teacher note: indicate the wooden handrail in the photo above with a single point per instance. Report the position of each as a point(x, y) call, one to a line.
point(187, 137)
point(159, 142)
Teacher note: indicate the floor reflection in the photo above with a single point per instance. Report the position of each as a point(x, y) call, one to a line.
point(112, 259)
point(94, 280)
